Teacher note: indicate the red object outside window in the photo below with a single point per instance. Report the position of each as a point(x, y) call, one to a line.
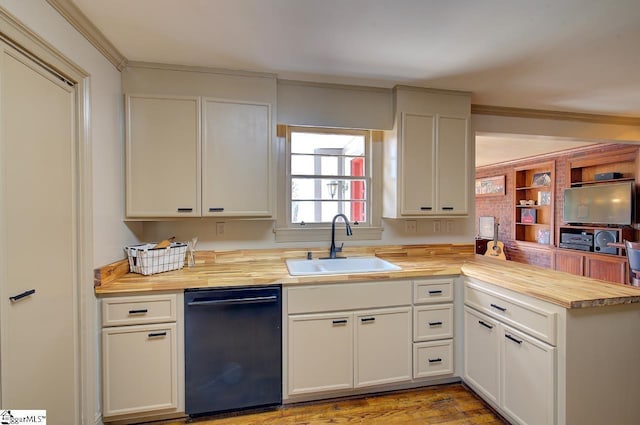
point(357, 190)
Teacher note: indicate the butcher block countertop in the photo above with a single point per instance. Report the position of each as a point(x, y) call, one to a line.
point(264, 267)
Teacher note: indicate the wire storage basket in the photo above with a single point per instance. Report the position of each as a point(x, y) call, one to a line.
point(146, 260)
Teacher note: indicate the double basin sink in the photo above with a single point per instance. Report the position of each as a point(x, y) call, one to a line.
point(339, 266)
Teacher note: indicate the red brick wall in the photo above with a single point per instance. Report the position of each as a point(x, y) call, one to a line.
point(502, 207)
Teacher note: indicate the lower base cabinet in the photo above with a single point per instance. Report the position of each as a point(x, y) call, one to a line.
point(507, 366)
point(611, 268)
point(142, 357)
point(329, 352)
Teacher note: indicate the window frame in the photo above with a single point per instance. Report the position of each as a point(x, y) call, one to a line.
point(367, 177)
point(371, 229)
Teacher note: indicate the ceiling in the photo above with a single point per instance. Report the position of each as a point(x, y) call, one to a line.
point(569, 55)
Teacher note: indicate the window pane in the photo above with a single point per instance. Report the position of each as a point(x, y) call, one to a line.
point(302, 164)
point(327, 189)
point(310, 142)
point(324, 211)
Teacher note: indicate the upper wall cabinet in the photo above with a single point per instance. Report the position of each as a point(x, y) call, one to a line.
point(162, 156)
point(202, 147)
point(426, 164)
point(236, 159)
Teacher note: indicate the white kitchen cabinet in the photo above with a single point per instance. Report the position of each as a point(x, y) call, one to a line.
point(427, 155)
point(342, 337)
point(382, 346)
point(527, 378)
point(481, 353)
point(162, 156)
point(433, 326)
point(199, 143)
point(509, 367)
point(142, 357)
point(320, 353)
point(236, 159)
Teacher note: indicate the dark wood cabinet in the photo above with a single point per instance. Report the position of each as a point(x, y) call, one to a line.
point(611, 268)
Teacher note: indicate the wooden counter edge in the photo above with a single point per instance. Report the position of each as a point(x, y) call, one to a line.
point(110, 272)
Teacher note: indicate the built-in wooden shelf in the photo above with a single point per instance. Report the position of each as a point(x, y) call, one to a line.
point(592, 182)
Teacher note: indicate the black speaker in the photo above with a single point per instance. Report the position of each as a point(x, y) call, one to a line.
point(602, 238)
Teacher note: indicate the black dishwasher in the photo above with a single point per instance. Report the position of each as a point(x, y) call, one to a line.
point(233, 349)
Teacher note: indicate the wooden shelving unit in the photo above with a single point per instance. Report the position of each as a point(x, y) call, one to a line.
point(596, 263)
point(533, 223)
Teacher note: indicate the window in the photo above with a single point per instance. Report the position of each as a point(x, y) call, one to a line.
point(329, 173)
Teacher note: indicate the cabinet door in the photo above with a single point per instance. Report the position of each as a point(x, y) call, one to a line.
point(418, 172)
point(162, 156)
point(140, 369)
point(481, 354)
point(570, 262)
point(452, 165)
point(320, 353)
point(528, 373)
point(383, 346)
point(236, 159)
point(612, 269)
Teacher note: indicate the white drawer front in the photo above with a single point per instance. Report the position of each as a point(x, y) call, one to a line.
point(139, 309)
point(432, 358)
point(348, 296)
point(432, 322)
point(433, 291)
point(531, 319)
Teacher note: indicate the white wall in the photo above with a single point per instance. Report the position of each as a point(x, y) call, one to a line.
point(110, 234)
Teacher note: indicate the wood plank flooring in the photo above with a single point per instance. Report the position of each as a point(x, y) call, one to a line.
point(444, 405)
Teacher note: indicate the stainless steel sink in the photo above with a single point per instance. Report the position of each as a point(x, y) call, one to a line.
point(339, 266)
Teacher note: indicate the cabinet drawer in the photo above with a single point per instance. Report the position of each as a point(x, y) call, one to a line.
point(531, 319)
point(433, 291)
point(139, 309)
point(432, 322)
point(350, 296)
point(432, 358)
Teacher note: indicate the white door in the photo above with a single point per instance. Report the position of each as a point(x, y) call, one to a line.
point(320, 352)
point(162, 156)
point(383, 346)
point(418, 158)
point(38, 247)
point(481, 354)
point(236, 165)
point(528, 378)
point(452, 163)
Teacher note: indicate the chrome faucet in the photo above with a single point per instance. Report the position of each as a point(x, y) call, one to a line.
point(333, 250)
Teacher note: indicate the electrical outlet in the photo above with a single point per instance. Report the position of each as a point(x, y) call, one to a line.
point(219, 229)
point(449, 226)
point(437, 226)
point(410, 226)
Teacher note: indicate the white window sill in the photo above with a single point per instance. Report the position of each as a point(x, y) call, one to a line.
point(317, 234)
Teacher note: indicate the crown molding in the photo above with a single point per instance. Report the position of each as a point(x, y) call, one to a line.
point(553, 115)
point(84, 26)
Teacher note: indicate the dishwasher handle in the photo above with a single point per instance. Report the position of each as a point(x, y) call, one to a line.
point(234, 301)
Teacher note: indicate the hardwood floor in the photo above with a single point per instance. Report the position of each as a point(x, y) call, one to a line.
point(444, 405)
